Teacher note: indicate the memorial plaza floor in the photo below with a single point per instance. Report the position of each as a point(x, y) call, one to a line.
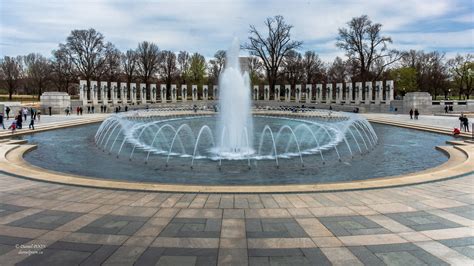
point(51, 224)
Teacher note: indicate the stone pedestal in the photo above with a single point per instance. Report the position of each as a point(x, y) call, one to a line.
point(298, 93)
point(378, 91)
point(339, 93)
point(215, 92)
point(133, 93)
point(184, 93)
point(153, 93)
point(417, 100)
point(174, 93)
point(205, 92)
point(114, 92)
point(328, 93)
point(319, 93)
point(287, 93)
point(142, 93)
point(309, 93)
point(255, 92)
point(58, 101)
point(194, 90)
point(277, 93)
point(266, 92)
point(368, 92)
point(163, 93)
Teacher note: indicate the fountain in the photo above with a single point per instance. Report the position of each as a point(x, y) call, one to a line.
point(238, 132)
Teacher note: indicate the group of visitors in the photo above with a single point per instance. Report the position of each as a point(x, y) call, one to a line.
point(79, 110)
point(119, 108)
point(448, 109)
point(20, 118)
point(414, 114)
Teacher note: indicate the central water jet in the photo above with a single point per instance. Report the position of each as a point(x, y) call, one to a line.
point(235, 119)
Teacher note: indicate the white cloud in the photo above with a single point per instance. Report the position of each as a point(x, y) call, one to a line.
point(208, 25)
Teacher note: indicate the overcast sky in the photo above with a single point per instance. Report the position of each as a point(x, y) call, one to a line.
point(206, 26)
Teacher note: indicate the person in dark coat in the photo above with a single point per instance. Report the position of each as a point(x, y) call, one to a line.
point(411, 113)
point(416, 114)
point(466, 123)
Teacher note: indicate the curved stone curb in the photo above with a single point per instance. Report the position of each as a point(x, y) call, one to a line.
point(461, 162)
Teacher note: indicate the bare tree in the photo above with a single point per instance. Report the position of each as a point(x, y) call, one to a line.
point(364, 44)
point(293, 67)
point(87, 51)
point(168, 68)
point(111, 67)
point(11, 72)
point(148, 60)
point(273, 47)
point(216, 65)
point(313, 67)
point(129, 65)
point(183, 65)
point(337, 71)
point(63, 70)
point(38, 70)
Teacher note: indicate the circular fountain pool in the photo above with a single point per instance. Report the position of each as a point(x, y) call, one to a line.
point(335, 156)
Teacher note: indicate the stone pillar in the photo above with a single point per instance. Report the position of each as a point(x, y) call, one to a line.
point(309, 93)
point(215, 91)
point(114, 92)
point(358, 92)
point(153, 93)
point(319, 93)
point(328, 93)
point(298, 93)
point(389, 91)
point(184, 93)
point(339, 92)
point(368, 92)
point(266, 92)
point(83, 92)
point(255, 92)
point(205, 92)
point(103, 92)
point(133, 93)
point(174, 93)
point(287, 93)
point(277, 93)
point(163, 93)
point(142, 93)
point(123, 92)
point(348, 93)
point(378, 91)
point(194, 90)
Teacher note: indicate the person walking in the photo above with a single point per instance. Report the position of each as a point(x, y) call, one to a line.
point(445, 109)
point(411, 113)
point(38, 113)
point(80, 110)
point(49, 108)
point(1, 120)
point(77, 110)
point(32, 124)
point(32, 112)
point(7, 111)
point(416, 114)
point(88, 109)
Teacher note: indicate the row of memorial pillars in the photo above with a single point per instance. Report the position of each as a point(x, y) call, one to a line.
point(128, 93)
point(360, 93)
